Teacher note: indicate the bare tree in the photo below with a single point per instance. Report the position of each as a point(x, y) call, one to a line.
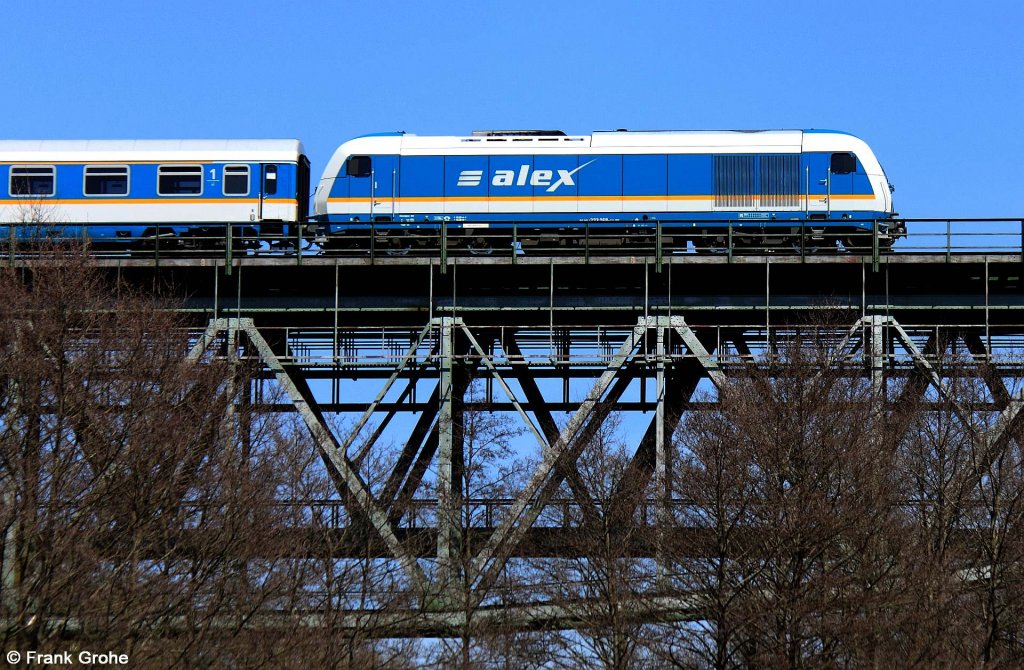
point(135, 512)
point(788, 490)
point(487, 470)
point(604, 574)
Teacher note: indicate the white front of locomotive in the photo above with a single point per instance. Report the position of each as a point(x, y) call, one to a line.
point(833, 142)
point(328, 205)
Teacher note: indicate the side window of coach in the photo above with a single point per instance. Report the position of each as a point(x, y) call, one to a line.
point(236, 180)
point(33, 180)
point(106, 180)
point(179, 180)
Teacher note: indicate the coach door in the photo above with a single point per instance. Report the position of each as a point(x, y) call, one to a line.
point(302, 189)
point(268, 185)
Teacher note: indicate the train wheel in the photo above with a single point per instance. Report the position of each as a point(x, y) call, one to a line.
point(148, 243)
point(479, 246)
point(398, 246)
point(823, 246)
point(710, 245)
point(856, 244)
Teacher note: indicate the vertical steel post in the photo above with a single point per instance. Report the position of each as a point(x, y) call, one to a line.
point(874, 246)
point(448, 520)
point(662, 474)
point(373, 241)
point(444, 247)
point(988, 330)
point(228, 247)
point(949, 241)
point(515, 242)
point(877, 361)
point(657, 245)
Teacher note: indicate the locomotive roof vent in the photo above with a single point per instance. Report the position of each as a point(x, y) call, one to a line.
point(516, 133)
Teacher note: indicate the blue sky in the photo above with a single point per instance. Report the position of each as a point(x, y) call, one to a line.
point(936, 88)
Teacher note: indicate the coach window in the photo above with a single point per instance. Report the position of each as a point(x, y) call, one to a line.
point(33, 180)
point(358, 166)
point(236, 180)
point(843, 163)
point(106, 180)
point(179, 180)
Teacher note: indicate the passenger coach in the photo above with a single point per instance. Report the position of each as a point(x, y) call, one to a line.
point(765, 187)
point(116, 191)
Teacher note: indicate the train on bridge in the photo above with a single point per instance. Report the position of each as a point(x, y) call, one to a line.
point(707, 189)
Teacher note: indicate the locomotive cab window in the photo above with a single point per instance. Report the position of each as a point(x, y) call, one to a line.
point(106, 180)
point(358, 166)
point(179, 180)
point(270, 180)
point(236, 180)
point(843, 163)
point(33, 180)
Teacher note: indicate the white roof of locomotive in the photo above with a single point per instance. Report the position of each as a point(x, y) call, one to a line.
point(682, 141)
point(129, 151)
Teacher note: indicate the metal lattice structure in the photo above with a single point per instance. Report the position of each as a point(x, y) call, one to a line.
point(651, 338)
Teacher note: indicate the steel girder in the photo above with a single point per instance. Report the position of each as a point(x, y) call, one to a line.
point(680, 357)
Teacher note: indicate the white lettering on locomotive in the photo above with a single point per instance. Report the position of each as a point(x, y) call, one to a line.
point(522, 177)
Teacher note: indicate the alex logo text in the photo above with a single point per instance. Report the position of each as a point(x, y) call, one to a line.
point(525, 175)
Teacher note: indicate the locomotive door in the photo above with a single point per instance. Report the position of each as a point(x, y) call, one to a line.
point(372, 186)
point(817, 184)
point(829, 183)
point(385, 188)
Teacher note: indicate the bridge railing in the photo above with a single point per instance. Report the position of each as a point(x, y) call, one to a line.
point(653, 238)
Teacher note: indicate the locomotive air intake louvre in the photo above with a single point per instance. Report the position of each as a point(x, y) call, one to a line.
point(734, 181)
point(780, 181)
point(763, 182)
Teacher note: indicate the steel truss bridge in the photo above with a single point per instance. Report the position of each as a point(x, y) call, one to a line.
point(560, 343)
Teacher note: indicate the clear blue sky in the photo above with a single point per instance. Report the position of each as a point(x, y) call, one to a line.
point(936, 88)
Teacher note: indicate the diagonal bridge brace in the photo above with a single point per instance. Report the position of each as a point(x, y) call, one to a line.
point(529, 504)
point(678, 380)
point(330, 449)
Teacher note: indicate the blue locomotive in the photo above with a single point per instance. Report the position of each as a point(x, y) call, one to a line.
point(758, 188)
